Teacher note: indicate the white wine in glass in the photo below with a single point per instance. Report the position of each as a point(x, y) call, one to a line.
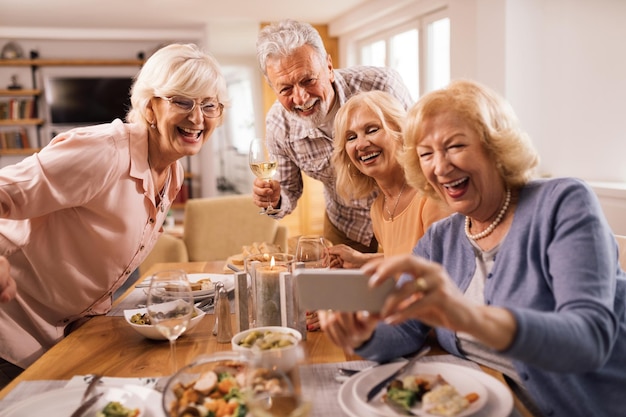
point(263, 164)
point(170, 306)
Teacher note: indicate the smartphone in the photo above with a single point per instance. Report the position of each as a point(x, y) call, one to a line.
point(339, 289)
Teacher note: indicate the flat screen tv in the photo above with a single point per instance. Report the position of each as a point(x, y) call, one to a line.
point(87, 100)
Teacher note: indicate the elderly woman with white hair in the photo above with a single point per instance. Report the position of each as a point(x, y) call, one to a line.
point(78, 217)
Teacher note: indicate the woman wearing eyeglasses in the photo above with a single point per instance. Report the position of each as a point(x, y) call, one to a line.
point(78, 217)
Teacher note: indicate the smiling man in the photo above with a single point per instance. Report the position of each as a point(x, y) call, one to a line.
point(299, 126)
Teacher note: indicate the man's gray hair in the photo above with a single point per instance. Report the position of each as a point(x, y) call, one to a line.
point(280, 39)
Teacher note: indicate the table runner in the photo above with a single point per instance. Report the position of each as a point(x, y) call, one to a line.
point(317, 381)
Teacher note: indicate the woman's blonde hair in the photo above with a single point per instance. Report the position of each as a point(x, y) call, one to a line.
point(351, 183)
point(176, 69)
point(489, 115)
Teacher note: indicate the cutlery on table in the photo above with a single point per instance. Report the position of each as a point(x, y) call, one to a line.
point(206, 303)
point(88, 400)
point(348, 372)
point(382, 384)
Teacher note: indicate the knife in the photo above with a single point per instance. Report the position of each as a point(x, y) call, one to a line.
point(382, 384)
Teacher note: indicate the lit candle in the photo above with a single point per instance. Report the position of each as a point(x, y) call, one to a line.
point(268, 293)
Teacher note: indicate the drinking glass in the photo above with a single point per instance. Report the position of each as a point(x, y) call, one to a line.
point(170, 306)
point(263, 164)
point(312, 250)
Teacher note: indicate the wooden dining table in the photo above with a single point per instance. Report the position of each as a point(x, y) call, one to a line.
point(107, 345)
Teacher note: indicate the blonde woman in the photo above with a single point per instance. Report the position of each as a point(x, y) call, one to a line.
point(368, 136)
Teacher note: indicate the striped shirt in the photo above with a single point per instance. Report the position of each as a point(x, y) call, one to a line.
point(301, 149)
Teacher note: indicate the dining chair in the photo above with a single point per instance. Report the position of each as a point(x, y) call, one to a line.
point(168, 248)
point(218, 227)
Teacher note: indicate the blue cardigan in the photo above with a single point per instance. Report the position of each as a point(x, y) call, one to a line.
point(557, 271)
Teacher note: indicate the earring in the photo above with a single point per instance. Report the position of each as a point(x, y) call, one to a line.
point(152, 125)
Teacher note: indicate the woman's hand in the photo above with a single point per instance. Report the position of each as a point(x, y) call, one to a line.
point(343, 256)
point(265, 191)
point(312, 321)
point(434, 299)
point(8, 288)
point(347, 330)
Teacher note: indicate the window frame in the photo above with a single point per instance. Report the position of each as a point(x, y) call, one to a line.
point(388, 31)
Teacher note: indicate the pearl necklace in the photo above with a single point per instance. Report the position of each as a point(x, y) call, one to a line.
point(395, 206)
point(493, 225)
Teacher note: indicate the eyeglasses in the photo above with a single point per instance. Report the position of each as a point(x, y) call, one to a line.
point(210, 109)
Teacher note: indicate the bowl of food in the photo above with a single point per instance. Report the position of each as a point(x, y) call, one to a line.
point(212, 384)
point(139, 320)
point(272, 347)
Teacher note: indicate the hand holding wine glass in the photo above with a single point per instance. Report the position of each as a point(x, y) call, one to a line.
point(263, 164)
point(170, 306)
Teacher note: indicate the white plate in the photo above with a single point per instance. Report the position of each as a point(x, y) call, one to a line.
point(499, 401)
point(455, 375)
point(61, 402)
point(227, 279)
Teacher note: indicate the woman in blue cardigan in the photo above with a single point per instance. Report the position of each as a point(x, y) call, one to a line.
point(523, 278)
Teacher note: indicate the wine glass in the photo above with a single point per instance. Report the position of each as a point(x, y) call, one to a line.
point(271, 393)
point(312, 250)
point(263, 164)
point(170, 306)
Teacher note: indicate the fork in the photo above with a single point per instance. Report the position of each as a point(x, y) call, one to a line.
point(206, 304)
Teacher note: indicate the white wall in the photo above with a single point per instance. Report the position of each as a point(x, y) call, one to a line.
point(566, 76)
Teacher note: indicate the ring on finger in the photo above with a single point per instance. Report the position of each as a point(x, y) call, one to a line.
point(421, 285)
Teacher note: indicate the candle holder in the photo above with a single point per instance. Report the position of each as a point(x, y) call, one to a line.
point(265, 274)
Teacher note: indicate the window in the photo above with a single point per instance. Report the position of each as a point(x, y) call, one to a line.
point(418, 50)
point(241, 114)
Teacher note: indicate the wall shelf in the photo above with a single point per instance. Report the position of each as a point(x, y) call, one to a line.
point(19, 152)
point(21, 122)
point(22, 92)
point(35, 92)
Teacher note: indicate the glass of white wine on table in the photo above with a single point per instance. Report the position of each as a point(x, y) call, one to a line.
point(263, 164)
point(170, 306)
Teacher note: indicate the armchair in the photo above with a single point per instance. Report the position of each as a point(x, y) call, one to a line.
point(218, 227)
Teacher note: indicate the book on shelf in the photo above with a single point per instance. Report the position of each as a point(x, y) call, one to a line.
point(14, 139)
point(16, 109)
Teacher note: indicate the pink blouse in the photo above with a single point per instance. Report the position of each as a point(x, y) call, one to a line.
point(76, 219)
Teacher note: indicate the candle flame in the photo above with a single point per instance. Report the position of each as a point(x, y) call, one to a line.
point(272, 263)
